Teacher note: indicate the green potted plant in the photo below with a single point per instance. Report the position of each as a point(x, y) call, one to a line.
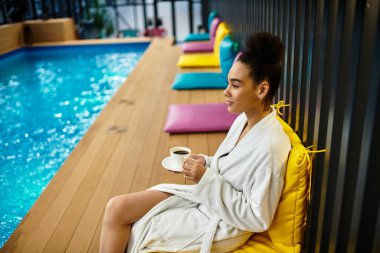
point(96, 23)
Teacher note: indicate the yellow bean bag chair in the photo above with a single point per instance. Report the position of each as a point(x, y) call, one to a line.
point(205, 59)
point(287, 229)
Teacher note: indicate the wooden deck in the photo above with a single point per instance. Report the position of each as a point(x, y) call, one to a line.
point(121, 153)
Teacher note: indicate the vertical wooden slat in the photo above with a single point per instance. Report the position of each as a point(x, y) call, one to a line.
point(306, 66)
point(376, 242)
point(266, 16)
point(318, 49)
point(310, 29)
point(280, 23)
point(370, 218)
point(299, 45)
point(363, 119)
point(341, 90)
point(326, 107)
point(290, 60)
point(344, 175)
point(256, 6)
point(270, 16)
point(285, 39)
point(275, 17)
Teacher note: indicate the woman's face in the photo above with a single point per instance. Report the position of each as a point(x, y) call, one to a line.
point(242, 94)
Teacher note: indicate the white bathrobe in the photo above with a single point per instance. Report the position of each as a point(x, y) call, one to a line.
point(237, 195)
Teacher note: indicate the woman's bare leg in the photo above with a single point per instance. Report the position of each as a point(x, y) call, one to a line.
point(120, 213)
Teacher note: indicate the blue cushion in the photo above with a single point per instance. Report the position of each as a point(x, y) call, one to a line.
point(228, 51)
point(197, 37)
point(199, 80)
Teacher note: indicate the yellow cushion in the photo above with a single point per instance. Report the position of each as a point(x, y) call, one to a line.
point(287, 229)
point(198, 60)
point(206, 59)
point(221, 32)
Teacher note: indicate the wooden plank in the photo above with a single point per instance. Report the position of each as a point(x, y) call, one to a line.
point(120, 186)
point(147, 161)
point(157, 173)
point(122, 159)
point(213, 96)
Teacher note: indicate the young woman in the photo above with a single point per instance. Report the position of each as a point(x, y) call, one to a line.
point(236, 191)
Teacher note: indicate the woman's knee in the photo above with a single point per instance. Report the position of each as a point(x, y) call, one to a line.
point(116, 211)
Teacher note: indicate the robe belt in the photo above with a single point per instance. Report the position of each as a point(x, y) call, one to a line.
point(209, 235)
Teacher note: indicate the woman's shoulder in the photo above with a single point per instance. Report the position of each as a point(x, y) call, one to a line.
point(279, 141)
point(275, 136)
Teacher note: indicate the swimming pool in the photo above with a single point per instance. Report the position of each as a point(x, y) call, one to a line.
point(49, 97)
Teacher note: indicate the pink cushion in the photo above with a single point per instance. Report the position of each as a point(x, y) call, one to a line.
point(203, 46)
point(214, 25)
point(193, 47)
point(191, 118)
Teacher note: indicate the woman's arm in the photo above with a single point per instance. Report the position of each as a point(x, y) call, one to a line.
point(235, 208)
point(251, 209)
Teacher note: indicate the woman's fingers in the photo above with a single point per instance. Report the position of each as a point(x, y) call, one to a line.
point(199, 159)
point(193, 170)
point(194, 156)
point(188, 169)
point(190, 161)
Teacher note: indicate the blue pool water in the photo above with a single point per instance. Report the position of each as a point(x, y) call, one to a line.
point(49, 97)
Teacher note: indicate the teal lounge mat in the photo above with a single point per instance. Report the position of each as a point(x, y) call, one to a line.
point(199, 80)
point(197, 37)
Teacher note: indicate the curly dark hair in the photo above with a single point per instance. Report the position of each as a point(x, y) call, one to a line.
point(264, 54)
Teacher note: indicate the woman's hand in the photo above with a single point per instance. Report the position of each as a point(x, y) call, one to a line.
point(199, 159)
point(194, 169)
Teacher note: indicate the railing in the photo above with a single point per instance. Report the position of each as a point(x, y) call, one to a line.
point(18, 10)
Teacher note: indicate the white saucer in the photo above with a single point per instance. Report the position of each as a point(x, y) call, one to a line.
point(167, 164)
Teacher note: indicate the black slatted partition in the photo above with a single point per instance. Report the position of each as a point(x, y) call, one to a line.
point(331, 80)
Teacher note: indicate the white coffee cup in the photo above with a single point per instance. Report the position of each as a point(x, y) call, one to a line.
point(178, 156)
